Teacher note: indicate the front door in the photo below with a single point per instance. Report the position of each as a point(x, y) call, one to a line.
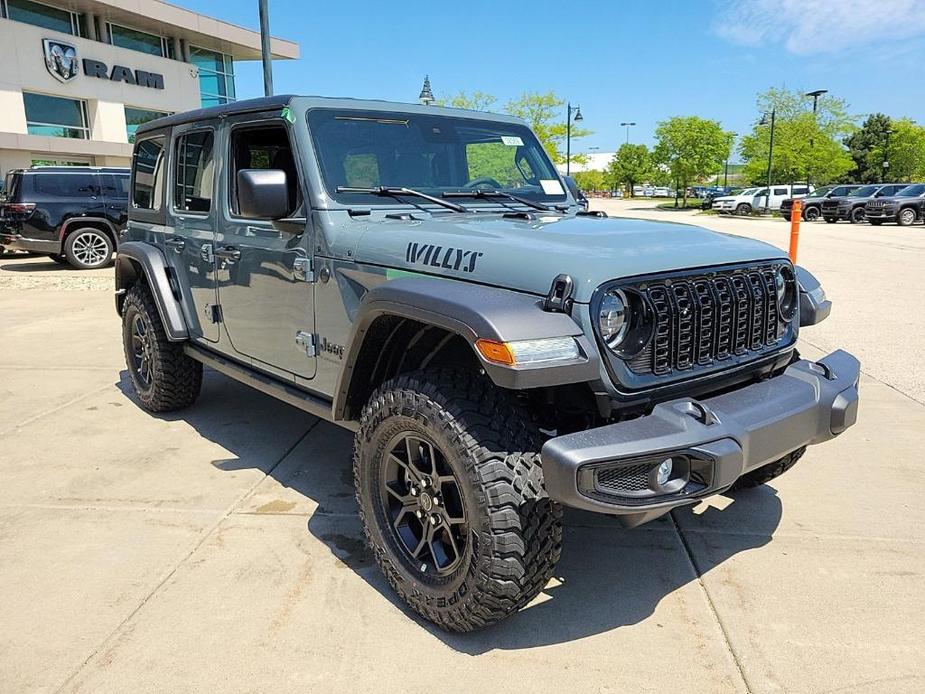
point(190, 236)
point(265, 294)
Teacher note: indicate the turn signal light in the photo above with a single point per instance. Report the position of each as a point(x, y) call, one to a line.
point(497, 352)
point(529, 352)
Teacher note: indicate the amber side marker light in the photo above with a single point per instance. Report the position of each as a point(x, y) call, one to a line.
point(497, 352)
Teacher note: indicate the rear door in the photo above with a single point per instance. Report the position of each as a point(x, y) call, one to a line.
point(265, 294)
point(115, 198)
point(189, 244)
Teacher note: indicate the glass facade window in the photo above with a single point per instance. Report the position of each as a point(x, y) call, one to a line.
point(216, 76)
point(142, 41)
point(135, 117)
point(55, 116)
point(40, 15)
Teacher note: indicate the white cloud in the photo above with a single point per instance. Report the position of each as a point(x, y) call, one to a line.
point(805, 27)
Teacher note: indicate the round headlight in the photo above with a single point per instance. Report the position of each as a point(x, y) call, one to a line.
point(614, 318)
point(786, 285)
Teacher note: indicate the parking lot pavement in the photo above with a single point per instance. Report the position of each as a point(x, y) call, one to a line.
point(218, 549)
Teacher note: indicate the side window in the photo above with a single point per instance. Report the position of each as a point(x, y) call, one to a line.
point(114, 186)
point(193, 175)
point(762, 191)
point(783, 191)
point(263, 147)
point(148, 174)
point(66, 185)
point(800, 190)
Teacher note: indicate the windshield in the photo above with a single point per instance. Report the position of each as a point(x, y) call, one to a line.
point(864, 192)
point(911, 191)
point(432, 154)
point(748, 191)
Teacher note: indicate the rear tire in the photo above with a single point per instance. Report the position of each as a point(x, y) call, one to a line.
point(857, 215)
point(164, 378)
point(743, 209)
point(88, 248)
point(497, 536)
point(768, 472)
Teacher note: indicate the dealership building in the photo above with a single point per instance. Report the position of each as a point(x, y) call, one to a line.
point(80, 76)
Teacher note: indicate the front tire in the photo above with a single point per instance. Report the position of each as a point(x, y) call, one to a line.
point(743, 209)
point(906, 217)
point(88, 248)
point(164, 378)
point(451, 495)
point(811, 213)
point(857, 215)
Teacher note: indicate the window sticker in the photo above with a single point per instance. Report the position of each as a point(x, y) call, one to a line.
point(551, 187)
point(512, 141)
point(287, 114)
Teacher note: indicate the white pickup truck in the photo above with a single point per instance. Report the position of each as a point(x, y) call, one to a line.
point(752, 199)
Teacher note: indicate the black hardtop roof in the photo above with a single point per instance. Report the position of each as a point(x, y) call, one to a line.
point(72, 169)
point(244, 106)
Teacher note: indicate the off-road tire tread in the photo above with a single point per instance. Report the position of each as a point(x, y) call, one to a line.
point(177, 378)
point(768, 472)
point(500, 447)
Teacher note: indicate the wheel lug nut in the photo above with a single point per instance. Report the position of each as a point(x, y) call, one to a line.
point(414, 491)
point(434, 519)
point(436, 501)
point(419, 513)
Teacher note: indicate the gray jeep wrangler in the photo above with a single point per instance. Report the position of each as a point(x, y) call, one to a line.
point(422, 277)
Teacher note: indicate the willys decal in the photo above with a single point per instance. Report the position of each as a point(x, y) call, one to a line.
point(440, 256)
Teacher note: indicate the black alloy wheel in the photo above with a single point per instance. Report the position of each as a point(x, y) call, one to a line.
point(811, 214)
point(140, 354)
point(423, 503)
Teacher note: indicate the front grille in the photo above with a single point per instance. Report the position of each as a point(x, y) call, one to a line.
point(704, 319)
point(830, 206)
point(631, 478)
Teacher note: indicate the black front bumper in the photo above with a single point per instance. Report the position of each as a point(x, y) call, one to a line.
point(714, 440)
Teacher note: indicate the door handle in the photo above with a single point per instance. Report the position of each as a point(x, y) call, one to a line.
point(176, 243)
point(229, 254)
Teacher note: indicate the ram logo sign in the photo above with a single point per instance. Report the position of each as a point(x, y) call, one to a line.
point(63, 64)
point(60, 59)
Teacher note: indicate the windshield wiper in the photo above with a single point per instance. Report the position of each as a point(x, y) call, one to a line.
point(394, 192)
point(480, 193)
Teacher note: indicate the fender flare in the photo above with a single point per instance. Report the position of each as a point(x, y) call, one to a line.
point(98, 220)
point(814, 306)
point(472, 312)
point(134, 256)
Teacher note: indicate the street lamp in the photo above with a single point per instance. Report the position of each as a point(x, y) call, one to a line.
point(812, 143)
point(265, 55)
point(568, 134)
point(764, 121)
point(886, 153)
point(627, 130)
point(726, 170)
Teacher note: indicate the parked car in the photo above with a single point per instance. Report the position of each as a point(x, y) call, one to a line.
point(498, 351)
point(903, 208)
point(573, 188)
point(661, 192)
point(851, 207)
point(752, 199)
point(713, 193)
point(71, 214)
point(812, 203)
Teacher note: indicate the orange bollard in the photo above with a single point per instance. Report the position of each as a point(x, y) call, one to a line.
point(796, 214)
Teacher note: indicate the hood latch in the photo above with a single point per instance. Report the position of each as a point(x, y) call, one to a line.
point(559, 297)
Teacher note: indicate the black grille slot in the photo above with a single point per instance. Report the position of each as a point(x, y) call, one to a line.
point(704, 319)
point(631, 478)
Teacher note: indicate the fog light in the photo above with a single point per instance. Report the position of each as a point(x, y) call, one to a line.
point(663, 474)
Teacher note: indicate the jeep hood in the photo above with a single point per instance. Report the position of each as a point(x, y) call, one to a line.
point(527, 254)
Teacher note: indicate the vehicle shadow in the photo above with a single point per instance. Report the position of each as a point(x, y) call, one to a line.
point(36, 265)
point(608, 577)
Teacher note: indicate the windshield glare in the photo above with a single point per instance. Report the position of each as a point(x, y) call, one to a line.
point(911, 191)
point(749, 191)
point(432, 154)
point(864, 192)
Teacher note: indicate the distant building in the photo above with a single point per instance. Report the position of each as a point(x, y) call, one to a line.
point(80, 76)
point(596, 161)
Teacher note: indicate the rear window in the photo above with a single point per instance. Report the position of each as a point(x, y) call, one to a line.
point(65, 185)
point(148, 174)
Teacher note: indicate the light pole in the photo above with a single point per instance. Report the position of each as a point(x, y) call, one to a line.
point(726, 168)
point(812, 143)
point(627, 130)
point(764, 121)
point(265, 55)
point(886, 154)
point(568, 134)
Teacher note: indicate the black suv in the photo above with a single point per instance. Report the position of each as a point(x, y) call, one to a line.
point(812, 203)
point(905, 207)
point(851, 207)
point(72, 214)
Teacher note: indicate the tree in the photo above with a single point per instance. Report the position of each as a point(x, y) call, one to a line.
point(631, 164)
point(807, 145)
point(862, 143)
point(905, 152)
point(591, 180)
point(542, 112)
point(692, 148)
point(476, 101)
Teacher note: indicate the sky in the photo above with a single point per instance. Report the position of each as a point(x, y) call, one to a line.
point(620, 61)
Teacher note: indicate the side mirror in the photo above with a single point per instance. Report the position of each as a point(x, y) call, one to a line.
point(262, 193)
